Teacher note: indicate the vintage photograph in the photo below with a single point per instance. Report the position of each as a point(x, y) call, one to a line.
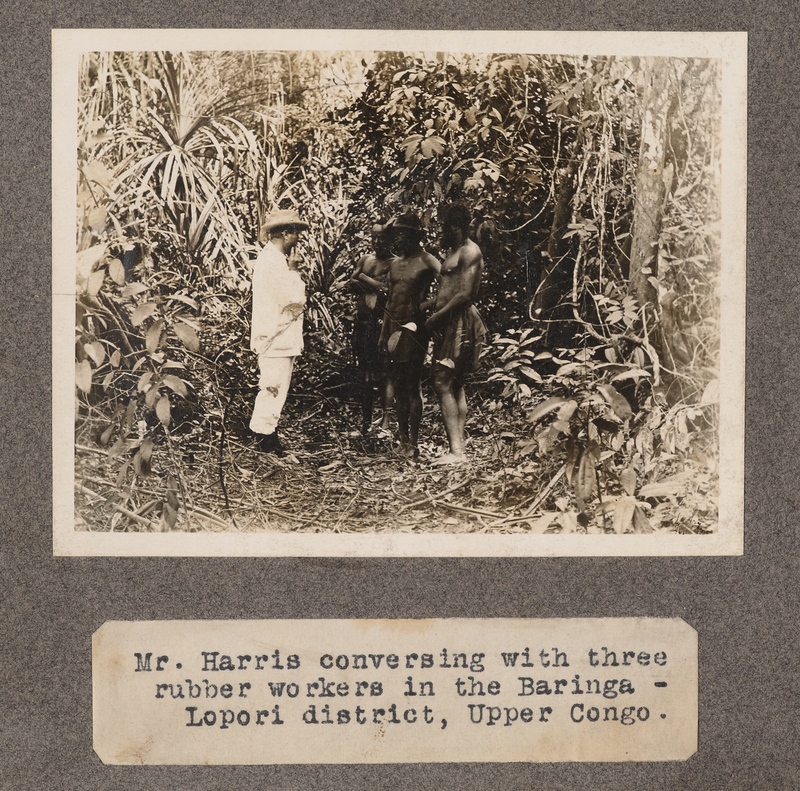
point(410, 299)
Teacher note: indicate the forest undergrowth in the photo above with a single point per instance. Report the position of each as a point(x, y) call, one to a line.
point(593, 184)
point(334, 479)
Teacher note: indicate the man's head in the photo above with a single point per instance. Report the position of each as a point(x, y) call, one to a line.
point(380, 238)
point(407, 232)
point(456, 221)
point(283, 228)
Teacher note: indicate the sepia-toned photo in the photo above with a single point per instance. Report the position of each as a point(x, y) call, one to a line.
point(389, 293)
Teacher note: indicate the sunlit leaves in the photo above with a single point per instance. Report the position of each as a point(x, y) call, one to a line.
point(95, 282)
point(83, 375)
point(176, 384)
point(163, 410)
point(546, 407)
point(624, 509)
point(152, 338)
point(617, 401)
point(142, 312)
point(117, 271)
point(187, 335)
point(628, 480)
point(141, 460)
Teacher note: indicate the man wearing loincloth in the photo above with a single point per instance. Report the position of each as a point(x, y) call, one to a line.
point(370, 281)
point(457, 329)
point(403, 335)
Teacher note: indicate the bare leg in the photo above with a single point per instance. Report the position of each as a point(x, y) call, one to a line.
point(388, 400)
point(453, 405)
point(415, 417)
point(461, 401)
point(367, 398)
point(402, 405)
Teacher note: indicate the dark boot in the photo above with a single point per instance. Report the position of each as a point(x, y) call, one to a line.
point(270, 443)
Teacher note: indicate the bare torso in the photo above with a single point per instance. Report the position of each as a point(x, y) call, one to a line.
point(371, 276)
point(460, 277)
point(410, 278)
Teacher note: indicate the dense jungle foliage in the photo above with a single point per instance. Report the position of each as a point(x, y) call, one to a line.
point(594, 185)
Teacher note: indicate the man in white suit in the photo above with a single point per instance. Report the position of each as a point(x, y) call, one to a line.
point(276, 336)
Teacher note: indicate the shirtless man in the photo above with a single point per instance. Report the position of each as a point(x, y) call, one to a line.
point(370, 281)
point(457, 329)
point(403, 335)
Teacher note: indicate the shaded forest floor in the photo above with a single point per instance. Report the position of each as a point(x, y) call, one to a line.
point(334, 479)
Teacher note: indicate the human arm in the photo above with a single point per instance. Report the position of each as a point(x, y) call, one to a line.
point(372, 283)
point(434, 273)
point(462, 288)
point(364, 283)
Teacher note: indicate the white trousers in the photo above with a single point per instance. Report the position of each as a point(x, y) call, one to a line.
point(275, 373)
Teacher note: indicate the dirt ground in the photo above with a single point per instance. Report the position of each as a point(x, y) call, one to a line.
point(334, 479)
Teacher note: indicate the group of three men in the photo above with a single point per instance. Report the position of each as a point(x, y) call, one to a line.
point(394, 324)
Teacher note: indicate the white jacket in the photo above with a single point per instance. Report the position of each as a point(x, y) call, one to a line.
point(278, 293)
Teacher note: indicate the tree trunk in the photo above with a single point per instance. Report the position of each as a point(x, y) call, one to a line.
point(650, 186)
point(555, 275)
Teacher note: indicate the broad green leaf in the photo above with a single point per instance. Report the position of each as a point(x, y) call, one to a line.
point(394, 339)
point(185, 300)
point(132, 289)
point(545, 408)
point(431, 146)
point(116, 358)
point(117, 271)
point(150, 397)
point(633, 373)
point(95, 282)
point(96, 351)
point(83, 375)
point(118, 448)
point(176, 384)
point(144, 381)
point(641, 524)
point(616, 400)
point(628, 480)
point(566, 411)
point(85, 261)
point(584, 478)
point(666, 488)
point(163, 410)
point(142, 312)
point(97, 219)
point(187, 336)
point(530, 373)
point(146, 448)
point(624, 508)
point(153, 337)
